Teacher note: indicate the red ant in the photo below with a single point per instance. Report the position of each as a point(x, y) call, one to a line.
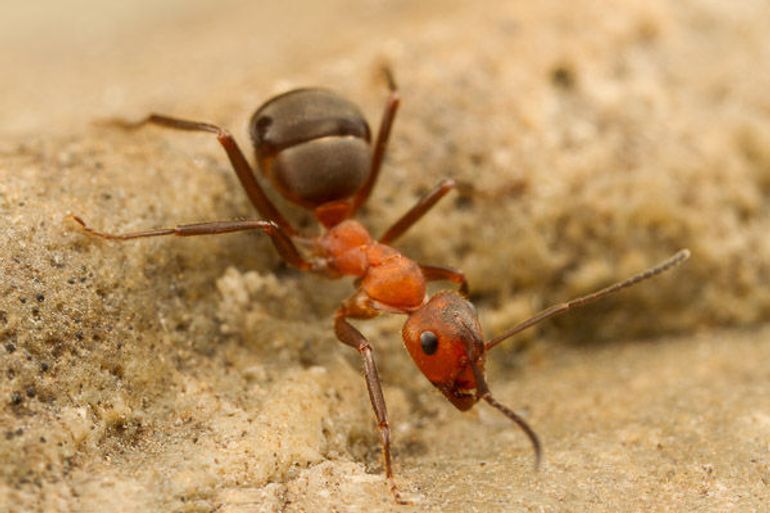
point(315, 147)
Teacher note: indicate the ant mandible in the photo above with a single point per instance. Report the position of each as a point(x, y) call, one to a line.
point(315, 147)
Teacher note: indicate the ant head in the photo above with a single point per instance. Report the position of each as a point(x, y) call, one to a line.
point(445, 340)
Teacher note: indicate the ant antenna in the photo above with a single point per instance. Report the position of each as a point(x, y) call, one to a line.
point(554, 310)
point(519, 422)
point(482, 391)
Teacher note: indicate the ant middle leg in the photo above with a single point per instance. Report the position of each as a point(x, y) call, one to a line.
point(349, 335)
point(437, 272)
point(240, 165)
point(281, 240)
point(415, 213)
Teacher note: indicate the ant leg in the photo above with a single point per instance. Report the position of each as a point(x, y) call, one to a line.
point(281, 240)
point(240, 165)
point(416, 212)
point(435, 273)
point(381, 143)
point(349, 335)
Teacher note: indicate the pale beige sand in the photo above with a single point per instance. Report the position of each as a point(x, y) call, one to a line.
point(203, 375)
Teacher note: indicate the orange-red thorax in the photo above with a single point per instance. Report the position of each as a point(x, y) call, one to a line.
point(387, 277)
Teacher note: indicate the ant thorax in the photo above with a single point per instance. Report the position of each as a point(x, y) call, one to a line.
point(388, 278)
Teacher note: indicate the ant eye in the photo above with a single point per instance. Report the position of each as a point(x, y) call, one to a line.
point(429, 342)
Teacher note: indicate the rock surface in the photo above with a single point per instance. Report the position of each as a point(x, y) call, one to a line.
point(202, 374)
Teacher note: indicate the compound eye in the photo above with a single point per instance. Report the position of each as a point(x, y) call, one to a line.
point(429, 342)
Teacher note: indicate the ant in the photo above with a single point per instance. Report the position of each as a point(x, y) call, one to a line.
point(315, 147)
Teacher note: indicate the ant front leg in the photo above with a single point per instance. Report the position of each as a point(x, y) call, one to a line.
point(281, 240)
point(349, 335)
point(240, 165)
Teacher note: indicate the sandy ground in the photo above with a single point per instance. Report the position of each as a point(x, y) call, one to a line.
point(202, 375)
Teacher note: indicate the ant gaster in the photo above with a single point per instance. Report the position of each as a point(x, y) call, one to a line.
point(315, 148)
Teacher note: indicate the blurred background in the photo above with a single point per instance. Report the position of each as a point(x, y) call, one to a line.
point(65, 61)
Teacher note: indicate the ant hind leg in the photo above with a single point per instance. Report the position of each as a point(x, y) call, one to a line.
point(240, 165)
point(281, 240)
point(381, 143)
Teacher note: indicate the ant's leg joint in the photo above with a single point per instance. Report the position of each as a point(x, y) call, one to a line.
point(223, 135)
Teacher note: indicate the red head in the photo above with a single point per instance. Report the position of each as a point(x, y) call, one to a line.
point(445, 340)
point(444, 337)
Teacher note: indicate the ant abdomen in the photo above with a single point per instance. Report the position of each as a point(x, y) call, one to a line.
point(314, 146)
